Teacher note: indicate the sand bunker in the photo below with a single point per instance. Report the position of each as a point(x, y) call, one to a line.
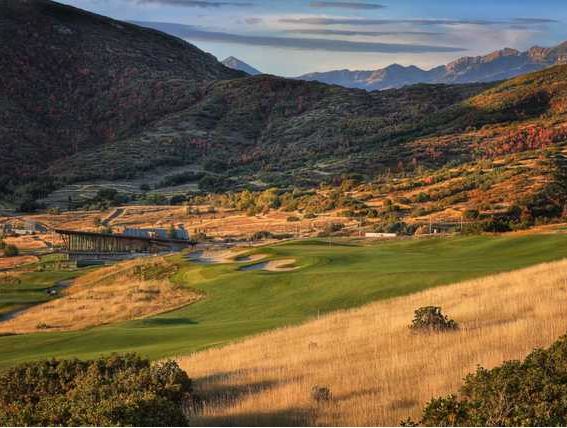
point(248, 259)
point(284, 265)
point(208, 257)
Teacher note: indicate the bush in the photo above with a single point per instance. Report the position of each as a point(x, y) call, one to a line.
point(111, 391)
point(431, 318)
point(528, 393)
point(11, 251)
point(331, 228)
point(293, 218)
point(262, 234)
point(321, 394)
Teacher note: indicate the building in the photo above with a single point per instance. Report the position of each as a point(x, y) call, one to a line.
point(23, 228)
point(379, 235)
point(177, 233)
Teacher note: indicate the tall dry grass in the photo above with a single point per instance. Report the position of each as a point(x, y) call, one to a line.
point(377, 370)
point(127, 290)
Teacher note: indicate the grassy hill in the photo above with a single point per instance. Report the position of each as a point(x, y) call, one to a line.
point(377, 370)
point(331, 277)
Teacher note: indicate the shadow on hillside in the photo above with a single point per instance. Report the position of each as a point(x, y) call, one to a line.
point(157, 322)
point(229, 394)
point(222, 391)
point(286, 417)
point(356, 394)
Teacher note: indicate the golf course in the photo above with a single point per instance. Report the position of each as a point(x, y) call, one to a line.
point(324, 277)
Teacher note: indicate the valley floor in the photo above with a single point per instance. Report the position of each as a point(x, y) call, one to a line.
point(378, 371)
point(238, 302)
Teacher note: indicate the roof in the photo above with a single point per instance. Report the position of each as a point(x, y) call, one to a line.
point(130, 238)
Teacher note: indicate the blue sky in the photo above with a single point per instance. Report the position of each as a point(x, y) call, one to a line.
point(292, 37)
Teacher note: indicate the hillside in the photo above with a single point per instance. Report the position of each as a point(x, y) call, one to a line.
point(499, 65)
point(377, 370)
point(71, 80)
point(110, 100)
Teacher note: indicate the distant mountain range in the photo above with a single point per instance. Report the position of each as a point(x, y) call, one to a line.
point(498, 65)
point(236, 64)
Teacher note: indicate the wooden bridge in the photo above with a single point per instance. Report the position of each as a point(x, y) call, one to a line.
point(91, 245)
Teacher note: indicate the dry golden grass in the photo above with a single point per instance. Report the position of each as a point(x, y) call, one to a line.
point(128, 290)
point(30, 242)
point(12, 262)
point(378, 371)
point(221, 223)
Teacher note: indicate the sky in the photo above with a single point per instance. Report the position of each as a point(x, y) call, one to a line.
point(294, 37)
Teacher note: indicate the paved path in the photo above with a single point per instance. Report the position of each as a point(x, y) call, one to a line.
point(113, 215)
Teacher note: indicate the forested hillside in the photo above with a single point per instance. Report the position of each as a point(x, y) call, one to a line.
point(71, 80)
point(85, 97)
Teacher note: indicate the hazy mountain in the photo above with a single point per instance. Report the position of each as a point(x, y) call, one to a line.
point(237, 64)
point(498, 65)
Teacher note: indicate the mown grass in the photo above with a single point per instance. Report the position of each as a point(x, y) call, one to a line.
point(31, 289)
point(331, 277)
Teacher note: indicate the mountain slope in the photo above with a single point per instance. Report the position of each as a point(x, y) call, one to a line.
point(84, 97)
point(499, 65)
point(71, 80)
point(236, 64)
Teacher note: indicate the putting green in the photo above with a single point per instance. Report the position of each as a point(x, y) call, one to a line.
point(240, 303)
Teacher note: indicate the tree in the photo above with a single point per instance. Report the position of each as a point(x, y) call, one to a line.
point(110, 391)
point(517, 393)
point(11, 251)
point(431, 318)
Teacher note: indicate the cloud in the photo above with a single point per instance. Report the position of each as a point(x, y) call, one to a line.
point(193, 33)
point(423, 22)
point(253, 21)
point(534, 21)
point(326, 32)
point(346, 5)
point(196, 3)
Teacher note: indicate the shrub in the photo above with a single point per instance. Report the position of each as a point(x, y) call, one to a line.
point(431, 318)
point(528, 393)
point(293, 218)
point(321, 394)
point(111, 391)
point(200, 237)
point(471, 214)
point(11, 251)
point(262, 234)
point(331, 228)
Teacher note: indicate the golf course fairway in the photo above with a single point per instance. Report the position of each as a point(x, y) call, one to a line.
point(328, 278)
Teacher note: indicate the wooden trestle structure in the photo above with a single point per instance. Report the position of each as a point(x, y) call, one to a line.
point(90, 245)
